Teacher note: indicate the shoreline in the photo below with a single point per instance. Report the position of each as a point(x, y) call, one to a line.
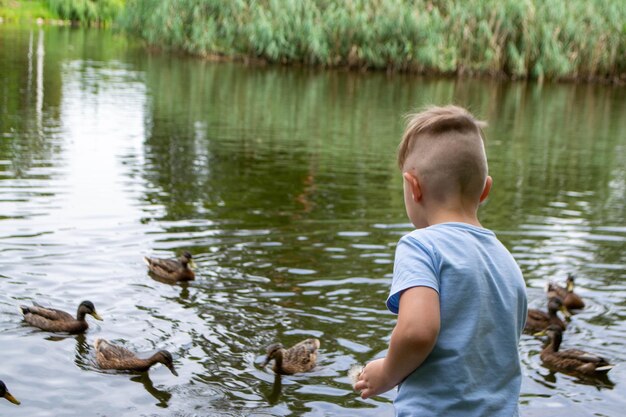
point(261, 62)
point(254, 61)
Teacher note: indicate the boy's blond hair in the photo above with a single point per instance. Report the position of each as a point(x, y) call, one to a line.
point(445, 147)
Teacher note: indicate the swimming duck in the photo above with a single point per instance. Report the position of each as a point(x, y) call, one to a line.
point(571, 300)
point(54, 320)
point(6, 394)
point(537, 320)
point(172, 269)
point(570, 361)
point(110, 356)
point(300, 357)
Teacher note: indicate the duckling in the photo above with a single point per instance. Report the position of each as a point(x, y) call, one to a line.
point(537, 320)
point(54, 320)
point(571, 300)
point(110, 356)
point(172, 269)
point(570, 361)
point(4, 392)
point(300, 357)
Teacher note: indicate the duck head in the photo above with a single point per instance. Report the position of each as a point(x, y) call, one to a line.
point(187, 259)
point(556, 304)
point(274, 351)
point(164, 357)
point(87, 307)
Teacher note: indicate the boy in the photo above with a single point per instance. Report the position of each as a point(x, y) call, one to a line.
point(459, 295)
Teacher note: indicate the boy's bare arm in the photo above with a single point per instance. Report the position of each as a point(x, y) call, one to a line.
point(415, 334)
point(411, 342)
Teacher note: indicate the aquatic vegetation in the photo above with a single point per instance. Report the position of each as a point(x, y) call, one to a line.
point(527, 39)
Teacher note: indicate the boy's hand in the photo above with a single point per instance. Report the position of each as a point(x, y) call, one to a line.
point(372, 380)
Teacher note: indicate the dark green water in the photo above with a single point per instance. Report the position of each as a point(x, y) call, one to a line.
point(283, 184)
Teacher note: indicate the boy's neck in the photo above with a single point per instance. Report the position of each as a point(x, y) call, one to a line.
point(453, 213)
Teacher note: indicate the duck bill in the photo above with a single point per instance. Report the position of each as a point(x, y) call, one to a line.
point(96, 316)
point(192, 264)
point(11, 398)
point(570, 286)
point(172, 370)
point(566, 312)
point(540, 334)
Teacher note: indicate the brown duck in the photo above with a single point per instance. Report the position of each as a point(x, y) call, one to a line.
point(537, 320)
point(571, 300)
point(172, 269)
point(301, 357)
point(4, 393)
point(110, 356)
point(54, 320)
point(570, 361)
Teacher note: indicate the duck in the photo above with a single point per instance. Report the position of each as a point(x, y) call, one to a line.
point(537, 320)
point(570, 361)
point(172, 269)
point(301, 357)
point(4, 393)
point(54, 320)
point(571, 300)
point(111, 356)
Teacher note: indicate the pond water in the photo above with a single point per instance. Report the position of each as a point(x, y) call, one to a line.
point(282, 183)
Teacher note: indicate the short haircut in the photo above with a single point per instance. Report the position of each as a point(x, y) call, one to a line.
point(445, 146)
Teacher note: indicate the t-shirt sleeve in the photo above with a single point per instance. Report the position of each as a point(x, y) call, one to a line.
point(414, 266)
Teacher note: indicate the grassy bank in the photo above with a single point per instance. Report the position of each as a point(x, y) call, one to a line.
point(83, 12)
point(26, 11)
point(555, 39)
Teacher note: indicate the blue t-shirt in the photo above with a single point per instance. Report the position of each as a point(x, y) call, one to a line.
point(474, 367)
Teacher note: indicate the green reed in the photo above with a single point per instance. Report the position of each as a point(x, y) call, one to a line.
point(89, 12)
point(520, 38)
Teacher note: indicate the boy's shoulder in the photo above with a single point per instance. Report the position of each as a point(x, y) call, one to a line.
point(452, 230)
point(459, 240)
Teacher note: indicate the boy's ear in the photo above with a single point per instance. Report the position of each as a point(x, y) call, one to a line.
point(414, 186)
point(485, 193)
